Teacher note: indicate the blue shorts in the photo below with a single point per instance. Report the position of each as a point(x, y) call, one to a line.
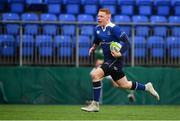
point(113, 69)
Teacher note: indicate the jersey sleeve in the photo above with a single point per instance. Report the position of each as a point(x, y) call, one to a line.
point(122, 36)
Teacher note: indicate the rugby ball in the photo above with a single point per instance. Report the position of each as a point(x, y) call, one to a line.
point(115, 46)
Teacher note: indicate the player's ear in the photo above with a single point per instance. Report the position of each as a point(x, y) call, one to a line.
point(109, 16)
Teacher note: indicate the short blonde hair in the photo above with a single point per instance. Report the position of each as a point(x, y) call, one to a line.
point(105, 10)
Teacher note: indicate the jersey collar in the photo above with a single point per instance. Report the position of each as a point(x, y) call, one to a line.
point(109, 24)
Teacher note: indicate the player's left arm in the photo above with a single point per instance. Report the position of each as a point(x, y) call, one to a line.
point(122, 36)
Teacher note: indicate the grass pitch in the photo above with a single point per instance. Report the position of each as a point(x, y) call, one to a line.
point(73, 112)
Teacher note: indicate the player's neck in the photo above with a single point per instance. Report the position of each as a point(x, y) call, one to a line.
point(103, 27)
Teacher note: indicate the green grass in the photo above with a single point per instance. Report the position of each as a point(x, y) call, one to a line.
point(73, 112)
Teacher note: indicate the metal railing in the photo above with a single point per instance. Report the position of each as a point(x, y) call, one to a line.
point(18, 53)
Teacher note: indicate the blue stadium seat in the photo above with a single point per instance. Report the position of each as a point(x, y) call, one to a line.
point(73, 6)
point(86, 29)
point(175, 29)
point(44, 44)
point(85, 18)
point(17, 6)
point(144, 7)
point(139, 47)
point(173, 46)
point(31, 29)
point(67, 29)
point(90, 6)
point(123, 19)
point(141, 30)
point(163, 7)
point(11, 28)
point(34, 2)
point(176, 6)
point(107, 2)
point(49, 29)
point(27, 45)
point(110, 4)
point(84, 45)
point(73, 1)
point(112, 8)
point(173, 42)
point(63, 45)
point(156, 45)
point(73, 9)
point(127, 6)
point(159, 30)
point(89, 2)
point(7, 47)
point(54, 6)
point(175, 53)
point(90, 9)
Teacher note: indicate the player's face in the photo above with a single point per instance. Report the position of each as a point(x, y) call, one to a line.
point(103, 19)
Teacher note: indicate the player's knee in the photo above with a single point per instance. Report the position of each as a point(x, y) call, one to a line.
point(95, 76)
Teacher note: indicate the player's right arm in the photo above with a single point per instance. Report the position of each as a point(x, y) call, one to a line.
point(95, 42)
point(92, 49)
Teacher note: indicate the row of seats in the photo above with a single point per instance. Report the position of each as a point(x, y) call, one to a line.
point(44, 44)
point(65, 44)
point(127, 7)
point(157, 45)
point(85, 17)
point(69, 29)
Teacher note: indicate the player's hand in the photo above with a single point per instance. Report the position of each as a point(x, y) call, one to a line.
point(91, 50)
point(116, 54)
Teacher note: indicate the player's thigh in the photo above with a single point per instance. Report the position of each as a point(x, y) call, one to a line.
point(97, 74)
point(124, 83)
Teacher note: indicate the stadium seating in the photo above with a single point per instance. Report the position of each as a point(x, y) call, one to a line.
point(173, 46)
point(44, 44)
point(11, 28)
point(163, 7)
point(89, 2)
point(27, 45)
point(90, 6)
point(175, 29)
point(127, 6)
point(141, 30)
point(7, 45)
point(49, 29)
point(90, 9)
point(17, 6)
point(73, 6)
point(144, 7)
point(139, 47)
point(123, 19)
point(159, 30)
point(156, 45)
point(147, 17)
point(34, 2)
point(84, 45)
point(110, 4)
point(67, 29)
point(30, 29)
point(176, 6)
point(54, 6)
point(85, 29)
point(63, 44)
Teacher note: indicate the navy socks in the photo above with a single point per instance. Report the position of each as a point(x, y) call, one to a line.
point(97, 87)
point(137, 86)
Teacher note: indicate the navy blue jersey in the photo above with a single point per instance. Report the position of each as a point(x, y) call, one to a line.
point(104, 37)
